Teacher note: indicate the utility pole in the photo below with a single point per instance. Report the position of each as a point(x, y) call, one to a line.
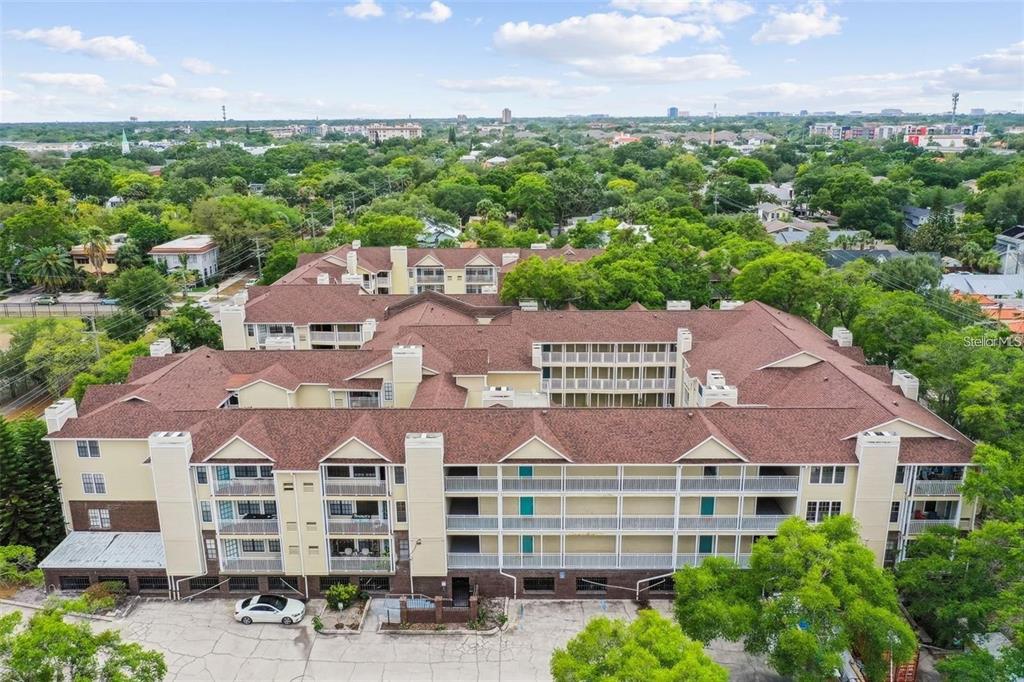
point(95, 335)
point(259, 256)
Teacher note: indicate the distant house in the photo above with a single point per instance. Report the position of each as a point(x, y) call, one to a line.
point(775, 225)
point(994, 286)
point(767, 212)
point(434, 233)
point(198, 250)
point(1010, 247)
point(797, 236)
point(620, 140)
point(837, 258)
point(495, 161)
point(114, 202)
point(80, 256)
point(914, 217)
point(783, 192)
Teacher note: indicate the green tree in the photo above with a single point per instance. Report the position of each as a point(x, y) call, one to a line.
point(88, 178)
point(551, 282)
point(810, 594)
point(143, 290)
point(50, 649)
point(281, 260)
point(97, 243)
point(687, 170)
point(891, 323)
point(124, 326)
point(112, 368)
point(532, 198)
point(18, 562)
point(49, 267)
point(379, 229)
point(788, 280)
point(751, 170)
point(136, 186)
point(61, 349)
point(650, 648)
point(29, 492)
point(918, 273)
point(191, 327)
point(938, 234)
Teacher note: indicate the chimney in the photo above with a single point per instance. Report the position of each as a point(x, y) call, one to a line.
point(528, 305)
point(684, 340)
point(160, 348)
point(241, 298)
point(509, 258)
point(498, 395)
point(729, 305)
point(323, 278)
point(369, 328)
point(356, 244)
point(232, 327)
point(399, 258)
point(907, 382)
point(842, 336)
point(351, 261)
point(677, 305)
point(56, 414)
point(538, 355)
point(407, 373)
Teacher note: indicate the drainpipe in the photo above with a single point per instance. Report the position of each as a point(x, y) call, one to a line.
point(515, 582)
point(647, 580)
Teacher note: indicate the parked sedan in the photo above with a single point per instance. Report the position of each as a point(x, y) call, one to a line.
point(269, 608)
point(108, 301)
point(45, 299)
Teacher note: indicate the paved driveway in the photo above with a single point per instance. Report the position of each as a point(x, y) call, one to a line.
point(201, 641)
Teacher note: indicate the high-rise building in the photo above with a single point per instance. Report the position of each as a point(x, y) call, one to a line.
point(673, 112)
point(461, 118)
point(506, 115)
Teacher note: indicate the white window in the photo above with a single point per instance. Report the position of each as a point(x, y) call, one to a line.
point(819, 511)
point(389, 391)
point(828, 475)
point(99, 518)
point(211, 549)
point(88, 448)
point(207, 511)
point(94, 484)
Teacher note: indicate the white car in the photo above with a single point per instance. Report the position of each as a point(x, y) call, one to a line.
point(269, 608)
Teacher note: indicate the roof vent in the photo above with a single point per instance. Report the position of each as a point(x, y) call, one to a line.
point(538, 246)
point(528, 305)
point(323, 278)
point(160, 348)
point(842, 336)
point(907, 382)
point(729, 305)
point(677, 305)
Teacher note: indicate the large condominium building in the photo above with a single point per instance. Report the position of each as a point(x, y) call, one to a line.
point(500, 452)
point(381, 132)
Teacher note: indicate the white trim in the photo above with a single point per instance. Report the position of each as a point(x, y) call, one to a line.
point(268, 383)
point(881, 427)
point(232, 440)
point(717, 440)
point(346, 442)
point(132, 397)
point(359, 374)
point(530, 440)
point(794, 355)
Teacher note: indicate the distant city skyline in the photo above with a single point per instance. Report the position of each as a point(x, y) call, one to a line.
point(101, 61)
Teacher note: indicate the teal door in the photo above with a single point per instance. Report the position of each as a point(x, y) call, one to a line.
point(706, 544)
point(526, 506)
point(707, 506)
point(526, 472)
point(527, 544)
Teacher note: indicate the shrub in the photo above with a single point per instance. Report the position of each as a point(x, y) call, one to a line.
point(340, 596)
point(18, 566)
point(318, 624)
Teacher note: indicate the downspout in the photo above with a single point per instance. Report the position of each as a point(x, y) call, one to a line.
point(515, 582)
point(647, 580)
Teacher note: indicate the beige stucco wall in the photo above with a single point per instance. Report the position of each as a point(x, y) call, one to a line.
point(312, 395)
point(301, 512)
point(121, 462)
point(262, 394)
point(646, 544)
point(590, 506)
point(525, 381)
point(590, 544)
point(424, 473)
point(178, 511)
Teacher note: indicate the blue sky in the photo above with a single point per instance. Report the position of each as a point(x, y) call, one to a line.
point(370, 58)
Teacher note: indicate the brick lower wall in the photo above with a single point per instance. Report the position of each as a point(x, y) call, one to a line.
point(490, 583)
point(52, 576)
point(133, 516)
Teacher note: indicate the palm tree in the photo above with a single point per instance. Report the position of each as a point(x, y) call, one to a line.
point(970, 253)
point(989, 261)
point(49, 267)
point(96, 245)
point(864, 239)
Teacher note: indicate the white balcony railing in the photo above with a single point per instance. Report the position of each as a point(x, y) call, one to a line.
point(591, 523)
point(355, 486)
point(470, 484)
point(764, 522)
point(268, 564)
point(336, 338)
point(936, 488)
point(772, 483)
point(429, 279)
point(540, 483)
point(644, 484)
point(531, 560)
point(472, 560)
point(471, 522)
point(531, 522)
point(710, 483)
point(363, 403)
point(577, 484)
point(240, 487)
point(708, 522)
point(915, 526)
point(590, 560)
point(360, 564)
point(248, 526)
point(351, 526)
point(639, 522)
point(645, 560)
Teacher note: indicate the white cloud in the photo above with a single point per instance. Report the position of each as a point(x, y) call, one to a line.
point(540, 87)
point(164, 80)
point(86, 82)
point(662, 69)
point(804, 23)
point(718, 11)
point(67, 39)
point(364, 9)
point(437, 14)
point(200, 67)
point(597, 36)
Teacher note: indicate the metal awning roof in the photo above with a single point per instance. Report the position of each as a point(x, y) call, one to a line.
point(85, 550)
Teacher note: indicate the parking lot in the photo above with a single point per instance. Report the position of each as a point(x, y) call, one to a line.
point(201, 641)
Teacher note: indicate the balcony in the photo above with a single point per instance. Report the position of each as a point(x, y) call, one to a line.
point(531, 522)
point(653, 484)
point(766, 522)
point(590, 560)
point(363, 403)
point(639, 522)
point(480, 279)
point(531, 484)
point(336, 338)
point(355, 526)
point(743, 561)
point(709, 522)
point(472, 560)
point(771, 484)
point(429, 279)
point(936, 488)
point(591, 523)
point(531, 561)
point(470, 522)
point(270, 564)
point(248, 526)
point(917, 526)
point(360, 564)
point(241, 487)
point(470, 484)
point(660, 561)
point(355, 486)
point(710, 483)
point(583, 484)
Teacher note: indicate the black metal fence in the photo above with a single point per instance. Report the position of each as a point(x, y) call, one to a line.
point(57, 310)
